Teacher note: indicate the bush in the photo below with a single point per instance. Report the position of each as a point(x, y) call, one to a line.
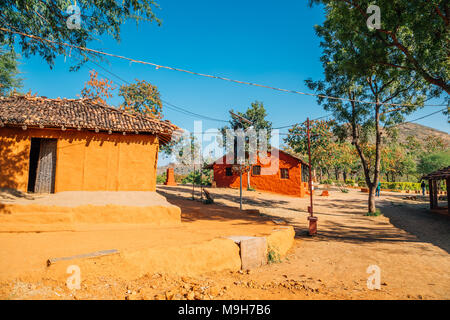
point(197, 178)
point(161, 178)
point(273, 256)
point(401, 186)
point(327, 181)
point(374, 214)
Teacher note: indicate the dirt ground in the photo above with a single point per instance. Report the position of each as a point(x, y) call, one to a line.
point(410, 246)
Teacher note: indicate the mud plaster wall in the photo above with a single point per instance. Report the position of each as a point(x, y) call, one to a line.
point(271, 182)
point(85, 161)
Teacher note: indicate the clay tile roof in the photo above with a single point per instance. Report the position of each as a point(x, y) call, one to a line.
point(438, 175)
point(19, 110)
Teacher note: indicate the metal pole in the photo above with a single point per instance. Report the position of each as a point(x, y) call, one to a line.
point(310, 176)
point(312, 220)
point(193, 181)
point(240, 187)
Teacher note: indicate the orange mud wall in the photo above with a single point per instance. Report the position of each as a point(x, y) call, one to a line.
point(272, 182)
point(85, 161)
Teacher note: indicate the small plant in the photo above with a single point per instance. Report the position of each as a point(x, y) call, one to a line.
point(273, 256)
point(343, 190)
point(374, 214)
point(251, 189)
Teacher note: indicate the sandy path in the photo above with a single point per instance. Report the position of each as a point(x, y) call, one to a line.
point(410, 245)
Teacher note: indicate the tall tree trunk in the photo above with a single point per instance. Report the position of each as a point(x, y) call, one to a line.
point(248, 181)
point(372, 207)
point(376, 174)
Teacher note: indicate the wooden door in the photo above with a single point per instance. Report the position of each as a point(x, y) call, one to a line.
point(45, 178)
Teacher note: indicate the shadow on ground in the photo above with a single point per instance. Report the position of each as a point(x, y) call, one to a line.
point(193, 210)
point(419, 221)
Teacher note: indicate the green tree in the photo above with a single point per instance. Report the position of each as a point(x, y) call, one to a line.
point(320, 138)
point(9, 71)
point(256, 115)
point(141, 97)
point(414, 36)
point(48, 19)
point(433, 161)
point(348, 75)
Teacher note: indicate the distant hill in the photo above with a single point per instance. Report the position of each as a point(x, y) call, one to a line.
point(420, 132)
point(178, 169)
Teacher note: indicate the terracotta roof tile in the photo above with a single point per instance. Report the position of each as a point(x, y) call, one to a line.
point(32, 111)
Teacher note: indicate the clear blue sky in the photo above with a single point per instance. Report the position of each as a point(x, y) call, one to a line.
point(260, 41)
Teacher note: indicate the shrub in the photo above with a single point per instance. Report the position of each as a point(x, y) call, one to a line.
point(374, 214)
point(273, 256)
point(350, 181)
point(161, 178)
point(401, 186)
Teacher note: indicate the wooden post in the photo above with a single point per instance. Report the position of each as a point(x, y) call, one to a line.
point(435, 194)
point(430, 187)
point(447, 183)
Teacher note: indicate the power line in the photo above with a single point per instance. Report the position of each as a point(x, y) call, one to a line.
point(93, 51)
point(423, 117)
point(167, 104)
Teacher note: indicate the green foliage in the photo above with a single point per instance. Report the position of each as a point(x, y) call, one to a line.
point(141, 97)
point(414, 186)
point(320, 140)
point(8, 71)
point(161, 178)
point(197, 177)
point(48, 20)
point(413, 37)
point(376, 213)
point(273, 256)
point(432, 162)
point(366, 65)
point(256, 114)
point(343, 190)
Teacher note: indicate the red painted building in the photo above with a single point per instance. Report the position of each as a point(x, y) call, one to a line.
point(286, 175)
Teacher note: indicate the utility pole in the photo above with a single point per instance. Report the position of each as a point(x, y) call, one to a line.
point(240, 187)
point(193, 182)
point(312, 220)
point(240, 119)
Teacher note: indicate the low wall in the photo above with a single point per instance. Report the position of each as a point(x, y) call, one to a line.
point(46, 214)
point(214, 255)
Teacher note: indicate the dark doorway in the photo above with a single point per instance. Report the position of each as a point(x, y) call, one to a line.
point(41, 175)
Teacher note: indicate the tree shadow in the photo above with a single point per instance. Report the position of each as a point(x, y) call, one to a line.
point(194, 210)
point(13, 168)
point(421, 222)
point(13, 162)
point(185, 193)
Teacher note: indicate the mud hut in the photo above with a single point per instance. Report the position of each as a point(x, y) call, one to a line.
point(55, 145)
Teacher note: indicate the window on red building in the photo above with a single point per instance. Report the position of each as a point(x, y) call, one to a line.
point(256, 170)
point(228, 172)
point(284, 173)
